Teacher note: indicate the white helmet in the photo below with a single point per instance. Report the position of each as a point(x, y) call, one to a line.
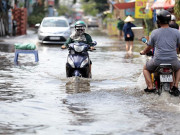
point(173, 18)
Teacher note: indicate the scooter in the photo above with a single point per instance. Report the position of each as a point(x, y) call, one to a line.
point(163, 75)
point(78, 61)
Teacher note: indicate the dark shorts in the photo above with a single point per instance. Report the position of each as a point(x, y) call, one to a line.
point(151, 65)
point(129, 38)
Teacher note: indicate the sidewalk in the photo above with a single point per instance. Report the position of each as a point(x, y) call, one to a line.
point(10, 40)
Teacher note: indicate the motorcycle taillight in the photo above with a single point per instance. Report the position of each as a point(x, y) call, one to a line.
point(165, 70)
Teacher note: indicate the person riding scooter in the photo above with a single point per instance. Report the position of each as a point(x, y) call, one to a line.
point(165, 41)
point(79, 36)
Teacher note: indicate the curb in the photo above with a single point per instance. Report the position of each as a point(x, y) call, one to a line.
point(4, 40)
point(6, 43)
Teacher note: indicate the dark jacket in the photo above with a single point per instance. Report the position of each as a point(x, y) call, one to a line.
point(120, 24)
point(88, 40)
point(127, 29)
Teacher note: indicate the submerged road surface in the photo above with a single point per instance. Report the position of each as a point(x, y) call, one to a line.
point(37, 98)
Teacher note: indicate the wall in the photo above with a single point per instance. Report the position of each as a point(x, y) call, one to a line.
point(112, 28)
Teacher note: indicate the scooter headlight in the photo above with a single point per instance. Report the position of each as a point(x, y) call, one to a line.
point(70, 62)
point(78, 48)
point(84, 63)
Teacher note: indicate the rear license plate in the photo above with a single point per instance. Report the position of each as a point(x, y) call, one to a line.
point(166, 78)
point(54, 38)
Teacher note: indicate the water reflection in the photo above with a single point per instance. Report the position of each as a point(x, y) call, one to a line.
point(11, 85)
point(77, 85)
point(27, 63)
point(128, 55)
point(80, 113)
point(10, 129)
point(5, 62)
point(12, 93)
point(7, 48)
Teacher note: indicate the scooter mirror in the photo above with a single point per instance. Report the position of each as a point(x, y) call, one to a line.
point(95, 43)
point(37, 25)
point(144, 40)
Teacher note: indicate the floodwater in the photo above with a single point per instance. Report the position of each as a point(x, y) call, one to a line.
point(37, 98)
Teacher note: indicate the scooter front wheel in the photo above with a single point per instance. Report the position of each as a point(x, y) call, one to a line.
point(77, 73)
point(90, 75)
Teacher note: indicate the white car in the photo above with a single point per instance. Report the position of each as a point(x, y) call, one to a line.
point(92, 22)
point(53, 30)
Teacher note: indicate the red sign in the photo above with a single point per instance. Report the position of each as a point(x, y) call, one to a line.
point(124, 5)
point(51, 2)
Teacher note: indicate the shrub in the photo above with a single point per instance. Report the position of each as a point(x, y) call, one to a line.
point(34, 19)
point(178, 22)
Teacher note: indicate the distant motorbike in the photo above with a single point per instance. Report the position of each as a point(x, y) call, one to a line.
point(78, 61)
point(163, 75)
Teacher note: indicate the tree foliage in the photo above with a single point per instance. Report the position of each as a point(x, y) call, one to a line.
point(177, 8)
point(38, 9)
point(149, 26)
point(89, 8)
point(56, 3)
point(38, 13)
point(64, 10)
point(93, 7)
point(101, 5)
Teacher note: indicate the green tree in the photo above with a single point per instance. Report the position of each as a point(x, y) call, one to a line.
point(177, 8)
point(89, 8)
point(101, 5)
point(64, 10)
point(74, 1)
point(38, 13)
point(149, 26)
point(56, 4)
point(94, 6)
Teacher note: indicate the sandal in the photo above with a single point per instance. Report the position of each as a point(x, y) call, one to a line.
point(150, 90)
point(174, 91)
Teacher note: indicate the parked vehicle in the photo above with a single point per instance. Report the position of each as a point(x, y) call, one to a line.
point(78, 61)
point(91, 21)
point(54, 30)
point(163, 75)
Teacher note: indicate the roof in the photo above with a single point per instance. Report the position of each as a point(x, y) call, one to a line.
point(165, 4)
point(124, 5)
point(57, 17)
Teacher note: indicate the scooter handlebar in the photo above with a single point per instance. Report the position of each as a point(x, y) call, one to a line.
point(150, 53)
point(63, 47)
point(91, 50)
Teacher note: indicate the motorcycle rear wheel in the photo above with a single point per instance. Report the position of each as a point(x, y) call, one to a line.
point(160, 90)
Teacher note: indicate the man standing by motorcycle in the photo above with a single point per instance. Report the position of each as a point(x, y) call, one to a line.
point(165, 41)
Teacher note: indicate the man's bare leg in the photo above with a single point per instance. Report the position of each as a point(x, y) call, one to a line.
point(177, 78)
point(148, 79)
point(131, 46)
point(127, 46)
point(174, 79)
point(119, 34)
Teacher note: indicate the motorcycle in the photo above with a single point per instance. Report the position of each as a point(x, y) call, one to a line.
point(78, 61)
point(163, 75)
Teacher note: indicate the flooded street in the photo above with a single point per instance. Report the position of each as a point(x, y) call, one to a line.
point(37, 98)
